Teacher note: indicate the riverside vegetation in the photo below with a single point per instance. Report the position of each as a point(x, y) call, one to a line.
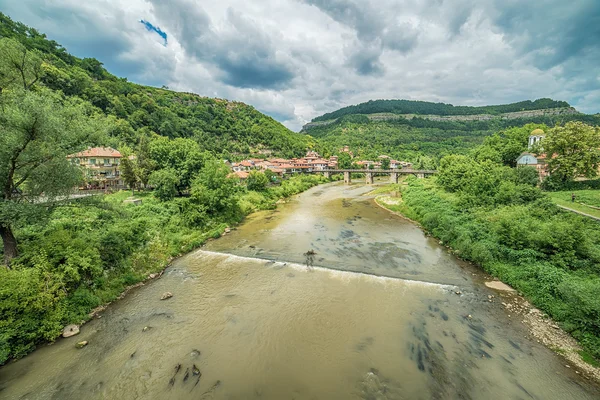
point(84, 253)
point(497, 217)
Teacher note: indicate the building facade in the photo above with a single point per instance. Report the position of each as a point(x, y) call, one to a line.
point(100, 166)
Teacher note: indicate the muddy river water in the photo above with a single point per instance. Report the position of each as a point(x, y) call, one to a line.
point(376, 317)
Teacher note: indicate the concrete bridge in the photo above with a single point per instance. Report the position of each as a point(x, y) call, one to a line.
point(370, 173)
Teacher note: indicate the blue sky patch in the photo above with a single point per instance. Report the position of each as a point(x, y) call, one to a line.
point(156, 29)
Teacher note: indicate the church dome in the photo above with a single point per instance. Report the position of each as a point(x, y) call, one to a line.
point(537, 132)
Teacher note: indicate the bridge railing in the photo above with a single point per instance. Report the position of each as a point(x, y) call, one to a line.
point(379, 171)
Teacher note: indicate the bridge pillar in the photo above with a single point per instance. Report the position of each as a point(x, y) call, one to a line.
point(421, 175)
point(394, 177)
point(369, 176)
point(327, 174)
point(347, 178)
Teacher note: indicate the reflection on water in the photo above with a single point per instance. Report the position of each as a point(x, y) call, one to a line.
point(261, 324)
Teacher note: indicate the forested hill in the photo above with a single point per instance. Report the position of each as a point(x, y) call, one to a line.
point(220, 126)
point(414, 130)
point(428, 108)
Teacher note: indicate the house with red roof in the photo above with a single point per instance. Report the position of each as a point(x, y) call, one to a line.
point(100, 166)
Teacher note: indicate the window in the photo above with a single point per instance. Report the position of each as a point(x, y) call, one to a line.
point(107, 162)
point(92, 161)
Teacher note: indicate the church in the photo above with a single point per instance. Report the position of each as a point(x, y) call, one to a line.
point(530, 159)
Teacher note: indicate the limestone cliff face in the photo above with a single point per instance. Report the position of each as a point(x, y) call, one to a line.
point(477, 117)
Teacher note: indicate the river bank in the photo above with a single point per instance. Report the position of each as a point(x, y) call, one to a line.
point(381, 311)
point(541, 327)
point(86, 254)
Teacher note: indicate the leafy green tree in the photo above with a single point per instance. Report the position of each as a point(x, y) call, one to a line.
point(271, 176)
point(184, 156)
point(572, 150)
point(214, 193)
point(165, 183)
point(129, 169)
point(145, 164)
point(257, 181)
point(385, 163)
point(19, 67)
point(527, 176)
point(344, 161)
point(37, 131)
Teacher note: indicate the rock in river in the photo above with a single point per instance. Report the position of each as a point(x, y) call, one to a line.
point(82, 344)
point(166, 295)
point(70, 330)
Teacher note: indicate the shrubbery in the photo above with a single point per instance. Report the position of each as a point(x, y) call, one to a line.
point(551, 256)
point(83, 254)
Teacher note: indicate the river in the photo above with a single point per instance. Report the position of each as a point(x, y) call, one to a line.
point(376, 316)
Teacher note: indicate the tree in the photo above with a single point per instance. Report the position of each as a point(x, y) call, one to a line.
point(572, 150)
point(271, 176)
point(344, 161)
point(129, 169)
point(257, 181)
point(385, 163)
point(18, 67)
point(182, 155)
point(165, 183)
point(146, 165)
point(37, 131)
point(214, 191)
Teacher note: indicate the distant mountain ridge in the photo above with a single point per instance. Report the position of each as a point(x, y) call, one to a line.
point(524, 114)
point(439, 109)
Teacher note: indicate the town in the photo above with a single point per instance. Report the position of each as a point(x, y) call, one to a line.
point(101, 166)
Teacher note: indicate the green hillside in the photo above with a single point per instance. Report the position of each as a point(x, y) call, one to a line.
point(428, 108)
point(220, 126)
point(414, 137)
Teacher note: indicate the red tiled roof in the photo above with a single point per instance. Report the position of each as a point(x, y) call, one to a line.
point(241, 174)
point(97, 152)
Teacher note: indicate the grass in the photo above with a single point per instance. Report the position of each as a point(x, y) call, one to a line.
point(588, 358)
point(587, 197)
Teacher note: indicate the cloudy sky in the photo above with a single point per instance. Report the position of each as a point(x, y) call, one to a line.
point(297, 59)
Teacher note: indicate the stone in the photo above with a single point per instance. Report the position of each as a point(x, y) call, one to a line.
point(82, 344)
point(499, 286)
point(70, 330)
point(152, 276)
point(146, 328)
point(166, 295)
point(227, 230)
point(136, 202)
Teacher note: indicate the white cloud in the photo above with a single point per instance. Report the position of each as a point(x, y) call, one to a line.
point(297, 59)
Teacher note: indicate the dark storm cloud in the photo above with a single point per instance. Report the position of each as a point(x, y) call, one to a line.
point(243, 54)
point(366, 60)
point(85, 34)
point(553, 31)
point(374, 28)
point(296, 59)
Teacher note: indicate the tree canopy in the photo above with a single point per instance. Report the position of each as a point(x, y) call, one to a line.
point(572, 150)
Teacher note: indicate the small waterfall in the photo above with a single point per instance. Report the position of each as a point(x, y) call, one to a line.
point(333, 272)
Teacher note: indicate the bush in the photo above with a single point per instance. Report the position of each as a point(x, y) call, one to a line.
point(165, 183)
point(552, 257)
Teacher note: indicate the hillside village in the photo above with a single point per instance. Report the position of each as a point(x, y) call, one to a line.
point(311, 162)
point(101, 166)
